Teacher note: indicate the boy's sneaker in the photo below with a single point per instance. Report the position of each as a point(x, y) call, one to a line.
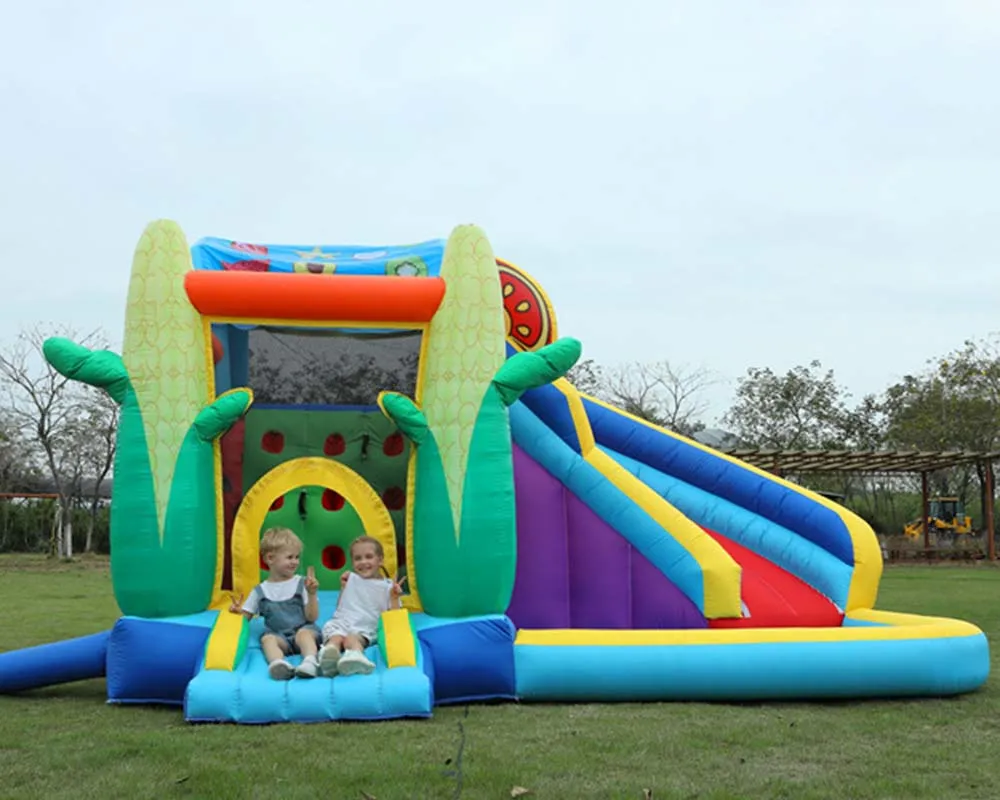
point(354, 662)
point(329, 658)
point(308, 667)
point(280, 670)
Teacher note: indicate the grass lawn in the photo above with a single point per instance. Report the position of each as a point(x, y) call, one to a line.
point(66, 742)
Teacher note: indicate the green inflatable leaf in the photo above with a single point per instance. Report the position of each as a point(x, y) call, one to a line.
point(525, 371)
point(217, 418)
point(100, 368)
point(407, 416)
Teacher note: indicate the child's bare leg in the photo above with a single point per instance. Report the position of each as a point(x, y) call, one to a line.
point(305, 643)
point(305, 639)
point(275, 648)
point(336, 642)
point(354, 642)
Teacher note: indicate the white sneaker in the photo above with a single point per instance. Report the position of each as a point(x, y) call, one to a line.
point(308, 667)
point(280, 670)
point(329, 657)
point(354, 662)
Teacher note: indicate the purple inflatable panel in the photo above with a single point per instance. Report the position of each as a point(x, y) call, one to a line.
point(575, 571)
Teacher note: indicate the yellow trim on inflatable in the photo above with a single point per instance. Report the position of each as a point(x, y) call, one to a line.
point(867, 552)
point(312, 323)
point(577, 412)
point(220, 522)
point(224, 640)
point(914, 628)
point(284, 478)
point(412, 599)
point(721, 575)
point(221, 599)
point(400, 646)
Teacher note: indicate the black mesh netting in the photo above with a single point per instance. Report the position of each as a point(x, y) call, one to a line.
point(302, 367)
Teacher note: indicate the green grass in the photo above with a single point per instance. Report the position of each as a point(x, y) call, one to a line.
point(66, 742)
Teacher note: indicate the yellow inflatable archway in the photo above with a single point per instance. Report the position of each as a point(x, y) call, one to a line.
point(291, 475)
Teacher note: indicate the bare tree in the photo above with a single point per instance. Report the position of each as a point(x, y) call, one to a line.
point(98, 427)
point(44, 407)
point(657, 392)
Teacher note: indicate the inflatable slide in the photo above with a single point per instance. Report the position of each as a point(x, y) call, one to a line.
point(556, 548)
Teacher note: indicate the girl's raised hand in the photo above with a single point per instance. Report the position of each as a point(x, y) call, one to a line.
point(397, 587)
point(344, 577)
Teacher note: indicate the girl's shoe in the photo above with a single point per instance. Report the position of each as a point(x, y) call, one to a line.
point(280, 670)
point(329, 658)
point(354, 662)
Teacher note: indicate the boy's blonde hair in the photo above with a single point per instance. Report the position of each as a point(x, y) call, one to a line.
point(275, 539)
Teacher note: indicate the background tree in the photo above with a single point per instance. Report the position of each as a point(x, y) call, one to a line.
point(97, 429)
point(658, 392)
point(803, 409)
point(44, 408)
point(953, 405)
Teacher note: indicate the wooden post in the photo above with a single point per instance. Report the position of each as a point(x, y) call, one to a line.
point(991, 550)
point(926, 511)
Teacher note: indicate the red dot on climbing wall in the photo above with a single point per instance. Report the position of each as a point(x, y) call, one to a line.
point(334, 444)
point(332, 501)
point(263, 566)
point(218, 351)
point(273, 442)
point(278, 503)
point(393, 444)
point(394, 498)
point(334, 557)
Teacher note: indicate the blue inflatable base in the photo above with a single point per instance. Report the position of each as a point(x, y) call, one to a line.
point(248, 695)
point(50, 664)
point(152, 661)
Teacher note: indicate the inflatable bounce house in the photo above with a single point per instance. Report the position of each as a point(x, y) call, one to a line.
point(556, 548)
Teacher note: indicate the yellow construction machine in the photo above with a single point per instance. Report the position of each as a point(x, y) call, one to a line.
point(946, 518)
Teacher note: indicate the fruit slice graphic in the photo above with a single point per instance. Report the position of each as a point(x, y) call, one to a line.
point(531, 322)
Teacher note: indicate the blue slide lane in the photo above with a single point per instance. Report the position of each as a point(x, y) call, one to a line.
point(717, 475)
point(804, 559)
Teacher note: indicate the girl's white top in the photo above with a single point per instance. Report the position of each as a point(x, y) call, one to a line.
point(362, 602)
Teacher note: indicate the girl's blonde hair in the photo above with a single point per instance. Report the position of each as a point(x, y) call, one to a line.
point(379, 550)
point(275, 539)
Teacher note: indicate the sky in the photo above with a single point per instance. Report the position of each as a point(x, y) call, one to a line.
point(721, 184)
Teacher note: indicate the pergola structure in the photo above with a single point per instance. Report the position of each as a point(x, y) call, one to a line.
point(881, 462)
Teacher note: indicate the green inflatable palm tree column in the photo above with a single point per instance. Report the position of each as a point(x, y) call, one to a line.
point(164, 505)
point(464, 524)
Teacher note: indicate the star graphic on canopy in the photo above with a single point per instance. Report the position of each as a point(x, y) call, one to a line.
point(316, 254)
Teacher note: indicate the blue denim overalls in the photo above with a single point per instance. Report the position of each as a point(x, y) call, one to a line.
point(282, 618)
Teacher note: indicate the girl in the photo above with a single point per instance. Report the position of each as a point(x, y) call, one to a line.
point(364, 595)
point(288, 604)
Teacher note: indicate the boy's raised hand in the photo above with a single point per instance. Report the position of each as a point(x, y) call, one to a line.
point(312, 585)
point(236, 607)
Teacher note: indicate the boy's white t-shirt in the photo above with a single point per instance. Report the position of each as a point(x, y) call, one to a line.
point(361, 604)
point(276, 591)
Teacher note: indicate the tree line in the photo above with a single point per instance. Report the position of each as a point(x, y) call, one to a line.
point(58, 437)
point(953, 403)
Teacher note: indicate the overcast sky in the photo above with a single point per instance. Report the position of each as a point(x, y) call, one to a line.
point(720, 184)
